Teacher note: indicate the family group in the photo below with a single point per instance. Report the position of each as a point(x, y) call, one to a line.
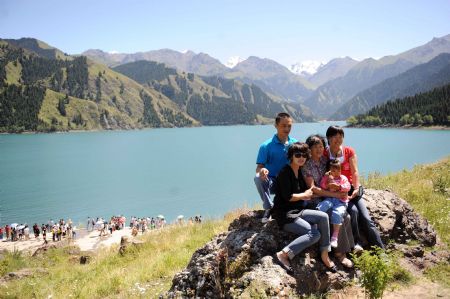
point(315, 183)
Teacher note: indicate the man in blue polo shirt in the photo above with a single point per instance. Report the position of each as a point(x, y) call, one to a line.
point(272, 156)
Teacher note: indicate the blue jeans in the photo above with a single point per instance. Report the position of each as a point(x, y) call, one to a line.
point(308, 235)
point(265, 188)
point(338, 209)
point(360, 216)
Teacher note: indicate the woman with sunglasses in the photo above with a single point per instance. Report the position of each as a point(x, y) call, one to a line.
point(289, 211)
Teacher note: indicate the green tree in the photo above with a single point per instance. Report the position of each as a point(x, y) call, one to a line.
point(62, 107)
point(405, 120)
point(428, 120)
point(417, 120)
point(352, 121)
point(98, 85)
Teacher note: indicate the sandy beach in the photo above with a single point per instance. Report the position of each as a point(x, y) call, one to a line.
point(87, 241)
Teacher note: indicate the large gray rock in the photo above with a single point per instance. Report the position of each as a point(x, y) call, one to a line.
point(239, 264)
point(396, 219)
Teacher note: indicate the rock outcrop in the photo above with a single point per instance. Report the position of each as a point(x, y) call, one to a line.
point(239, 262)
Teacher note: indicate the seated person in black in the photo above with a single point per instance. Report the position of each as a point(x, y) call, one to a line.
point(291, 197)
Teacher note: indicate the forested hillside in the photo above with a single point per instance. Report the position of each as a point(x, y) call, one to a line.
point(421, 78)
point(425, 109)
point(41, 93)
point(211, 100)
point(44, 89)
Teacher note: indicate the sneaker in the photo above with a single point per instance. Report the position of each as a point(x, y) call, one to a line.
point(358, 249)
point(334, 242)
point(266, 216)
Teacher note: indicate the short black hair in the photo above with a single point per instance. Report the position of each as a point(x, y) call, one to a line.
point(298, 147)
point(334, 163)
point(280, 116)
point(334, 130)
point(315, 139)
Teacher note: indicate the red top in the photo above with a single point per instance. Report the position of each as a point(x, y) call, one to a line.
point(345, 163)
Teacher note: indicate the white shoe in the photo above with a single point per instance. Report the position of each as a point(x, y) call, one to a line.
point(334, 242)
point(266, 216)
point(358, 249)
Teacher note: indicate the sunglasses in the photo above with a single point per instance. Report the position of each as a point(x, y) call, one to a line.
point(299, 155)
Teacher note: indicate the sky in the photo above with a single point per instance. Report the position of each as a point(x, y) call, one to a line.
point(284, 31)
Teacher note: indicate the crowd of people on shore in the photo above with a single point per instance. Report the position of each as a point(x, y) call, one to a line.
point(317, 194)
point(58, 230)
point(66, 230)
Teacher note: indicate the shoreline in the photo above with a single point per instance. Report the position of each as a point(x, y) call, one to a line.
point(262, 123)
point(441, 128)
point(86, 240)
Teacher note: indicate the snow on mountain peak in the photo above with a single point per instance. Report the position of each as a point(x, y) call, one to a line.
point(233, 61)
point(306, 68)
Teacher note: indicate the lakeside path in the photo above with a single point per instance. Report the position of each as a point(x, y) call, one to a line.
point(87, 241)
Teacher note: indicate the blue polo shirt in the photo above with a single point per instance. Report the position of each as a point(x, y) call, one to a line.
point(273, 154)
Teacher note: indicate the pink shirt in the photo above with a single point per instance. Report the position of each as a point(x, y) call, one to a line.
point(347, 153)
point(341, 181)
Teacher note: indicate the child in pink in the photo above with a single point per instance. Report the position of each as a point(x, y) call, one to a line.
point(336, 182)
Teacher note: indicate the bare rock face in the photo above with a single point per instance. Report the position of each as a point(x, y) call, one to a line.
point(239, 263)
point(396, 219)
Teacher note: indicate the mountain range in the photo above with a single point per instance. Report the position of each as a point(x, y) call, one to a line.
point(322, 88)
point(44, 89)
point(421, 78)
point(329, 97)
point(271, 76)
point(209, 99)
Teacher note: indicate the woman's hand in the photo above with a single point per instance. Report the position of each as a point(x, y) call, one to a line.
point(308, 194)
point(354, 194)
point(315, 189)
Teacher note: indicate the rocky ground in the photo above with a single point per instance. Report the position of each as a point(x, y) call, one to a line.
point(238, 263)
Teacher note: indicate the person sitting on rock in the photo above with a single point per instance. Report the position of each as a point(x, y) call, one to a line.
point(271, 158)
point(313, 171)
point(356, 206)
point(334, 181)
point(289, 211)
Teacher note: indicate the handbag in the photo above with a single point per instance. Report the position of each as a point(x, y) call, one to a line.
point(293, 214)
point(360, 191)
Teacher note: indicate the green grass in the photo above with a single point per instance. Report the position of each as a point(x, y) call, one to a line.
point(13, 73)
point(427, 189)
point(147, 272)
point(151, 266)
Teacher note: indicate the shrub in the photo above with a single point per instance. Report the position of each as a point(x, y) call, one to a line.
point(376, 271)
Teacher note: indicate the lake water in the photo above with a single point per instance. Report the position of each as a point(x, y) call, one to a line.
point(188, 171)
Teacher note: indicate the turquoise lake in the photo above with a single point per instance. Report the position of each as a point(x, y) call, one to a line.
point(188, 171)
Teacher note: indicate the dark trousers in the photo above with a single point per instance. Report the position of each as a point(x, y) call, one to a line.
point(360, 218)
